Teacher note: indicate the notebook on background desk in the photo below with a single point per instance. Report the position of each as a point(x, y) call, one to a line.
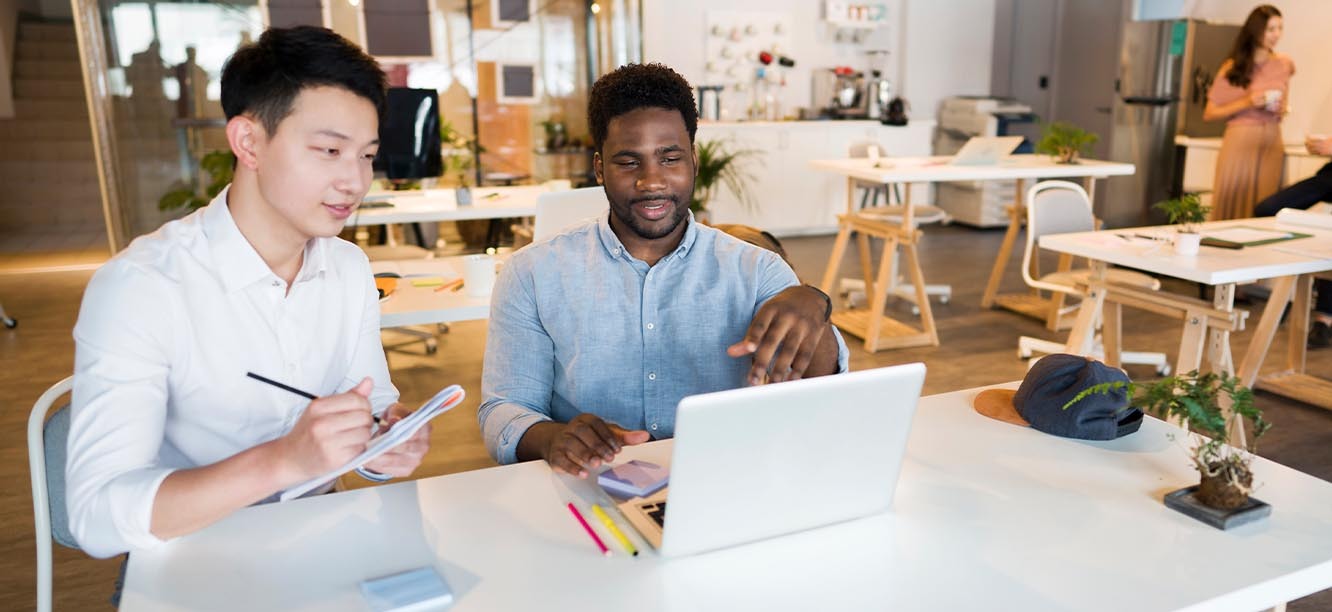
point(758, 462)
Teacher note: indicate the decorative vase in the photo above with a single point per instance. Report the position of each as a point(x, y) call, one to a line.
point(1186, 243)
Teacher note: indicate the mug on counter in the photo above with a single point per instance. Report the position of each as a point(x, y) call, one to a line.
point(479, 274)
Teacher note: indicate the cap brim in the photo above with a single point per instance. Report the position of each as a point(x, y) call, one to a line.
point(998, 404)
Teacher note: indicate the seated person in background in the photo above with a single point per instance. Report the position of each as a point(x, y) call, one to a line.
point(596, 334)
point(167, 433)
point(1302, 195)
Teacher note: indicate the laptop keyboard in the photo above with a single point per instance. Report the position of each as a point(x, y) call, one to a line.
point(657, 512)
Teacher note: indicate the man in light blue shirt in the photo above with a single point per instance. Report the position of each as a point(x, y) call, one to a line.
point(596, 334)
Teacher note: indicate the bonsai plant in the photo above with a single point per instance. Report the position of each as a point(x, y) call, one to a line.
point(1193, 398)
point(1065, 141)
point(1187, 211)
point(718, 166)
point(219, 166)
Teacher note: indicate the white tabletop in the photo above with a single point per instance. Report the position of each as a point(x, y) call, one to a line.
point(412, 305)
point(938, 170)
point(1212, 266)
point(988, 516)
point(433, 205)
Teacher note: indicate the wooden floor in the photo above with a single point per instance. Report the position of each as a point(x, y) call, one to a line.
point(978, 347)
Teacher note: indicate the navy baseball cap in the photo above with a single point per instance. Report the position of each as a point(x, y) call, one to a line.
point(1054, 381)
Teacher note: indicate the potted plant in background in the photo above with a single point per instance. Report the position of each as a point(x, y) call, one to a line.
point(1065, 141)
point(1222, 496)
point(458, 153)
point(719, 166)
point(219, 166)
point(1187, 211)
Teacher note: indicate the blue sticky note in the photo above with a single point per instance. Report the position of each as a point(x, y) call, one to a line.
point(410, 591)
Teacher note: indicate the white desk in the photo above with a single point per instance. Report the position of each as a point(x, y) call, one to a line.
point(410, 305)
point(892, 170)
point(989, 516)
point(1287, 262)
point(434, 205)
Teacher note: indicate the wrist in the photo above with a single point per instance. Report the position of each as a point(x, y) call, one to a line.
point(280, 470)
point(827, 302)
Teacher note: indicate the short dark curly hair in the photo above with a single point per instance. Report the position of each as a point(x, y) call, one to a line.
point(636, 86)
point(264, 78)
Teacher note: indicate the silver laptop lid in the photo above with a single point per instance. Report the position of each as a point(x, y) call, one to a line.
point(985, 150)
point(763, 461)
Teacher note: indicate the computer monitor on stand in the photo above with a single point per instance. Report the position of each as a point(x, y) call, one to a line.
point(409, 145)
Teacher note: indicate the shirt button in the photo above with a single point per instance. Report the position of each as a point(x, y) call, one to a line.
point(654, 427)
point(651, 326)
point(277, 283)
point(615, 252)
point(652, 376)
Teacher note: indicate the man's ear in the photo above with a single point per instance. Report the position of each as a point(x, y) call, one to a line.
point(245, 135)
point(695, 155)
point(596, 168)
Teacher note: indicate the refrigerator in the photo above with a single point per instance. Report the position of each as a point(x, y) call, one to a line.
point(1165, 69)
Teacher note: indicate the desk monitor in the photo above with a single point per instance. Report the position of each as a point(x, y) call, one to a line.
point(985, 150)
point(758, 462)
point(409, 135)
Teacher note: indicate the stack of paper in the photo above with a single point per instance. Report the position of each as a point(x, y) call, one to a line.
point(402, 430)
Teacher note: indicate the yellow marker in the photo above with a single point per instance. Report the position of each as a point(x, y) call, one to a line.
point(429, 281)
point(615, 531)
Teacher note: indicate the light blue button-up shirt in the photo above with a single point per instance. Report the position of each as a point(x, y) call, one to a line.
point(577, 324)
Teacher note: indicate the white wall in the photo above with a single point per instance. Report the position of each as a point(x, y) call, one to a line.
point(1306, 41)
point(938, 48)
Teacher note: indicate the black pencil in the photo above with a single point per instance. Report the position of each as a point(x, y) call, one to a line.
point(304, 394)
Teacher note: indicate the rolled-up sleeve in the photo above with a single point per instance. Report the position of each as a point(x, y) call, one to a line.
point(519, 370)
point(776, 276)
point(123, 346)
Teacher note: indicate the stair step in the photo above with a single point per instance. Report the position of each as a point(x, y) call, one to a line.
point(48, 69)
point(48, 89)
point(47, 50)
point(51, 109)
point(57, 150)
point(47, 31)
point(19, 131)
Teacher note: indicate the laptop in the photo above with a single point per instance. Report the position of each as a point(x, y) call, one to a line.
point(758, 462)
point(985, 150)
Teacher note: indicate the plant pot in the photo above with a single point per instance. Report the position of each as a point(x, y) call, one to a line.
point(1217, 492)
point(1187, 243)
point(1067, 157)
point(464, 196)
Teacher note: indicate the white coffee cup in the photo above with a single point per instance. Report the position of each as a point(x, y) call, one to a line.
point(479, 274)
point(1273, 97)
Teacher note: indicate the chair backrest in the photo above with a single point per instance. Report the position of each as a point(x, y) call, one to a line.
point(46, 460)
point(1054, 207)
point(861, 148)
point(559, 210)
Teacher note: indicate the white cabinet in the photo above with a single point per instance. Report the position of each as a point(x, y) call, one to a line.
point(790, 197)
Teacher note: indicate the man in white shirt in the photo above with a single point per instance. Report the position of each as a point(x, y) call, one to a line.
point(167, 433)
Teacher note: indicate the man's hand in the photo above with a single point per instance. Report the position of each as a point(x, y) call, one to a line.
point(1319, 146)
point(585, 443)
point(332, 430)
point(793, 320)
point(403, 459)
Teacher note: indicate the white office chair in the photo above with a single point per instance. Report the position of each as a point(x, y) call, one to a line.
point(560, 210)
point(1061, 207)
point(922, 214)
point(46, 459)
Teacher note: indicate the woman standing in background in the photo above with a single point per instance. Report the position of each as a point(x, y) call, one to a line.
point(1251, 95)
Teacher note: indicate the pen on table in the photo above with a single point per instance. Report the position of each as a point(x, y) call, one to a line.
point(454, 284)
point(582, 521)
point(1150, 237)
point(310, 396)
point(615, 531)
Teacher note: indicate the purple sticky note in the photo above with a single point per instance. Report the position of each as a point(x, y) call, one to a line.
point(634, 479)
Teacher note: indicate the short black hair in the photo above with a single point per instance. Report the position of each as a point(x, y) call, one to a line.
point(634, 86)
point(264, 78)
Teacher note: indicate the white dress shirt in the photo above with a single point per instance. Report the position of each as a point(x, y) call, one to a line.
point(167, 331)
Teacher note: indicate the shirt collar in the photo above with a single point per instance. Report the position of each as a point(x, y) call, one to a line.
point(238, 264)
point(616, 249)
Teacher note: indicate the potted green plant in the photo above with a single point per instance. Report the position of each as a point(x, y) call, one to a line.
point(219, 166)
point(718, 166)
point(458, 158)
point(1065, 141)
point(1225, 477)
point(1187, 211)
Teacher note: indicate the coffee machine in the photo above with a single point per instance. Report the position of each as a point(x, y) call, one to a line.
point(843, 93)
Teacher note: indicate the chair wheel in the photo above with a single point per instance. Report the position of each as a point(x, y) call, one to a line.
point(431, 346)
point(1163, 370)
point(11, 323)
point(915, 310)
point(943, 299)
